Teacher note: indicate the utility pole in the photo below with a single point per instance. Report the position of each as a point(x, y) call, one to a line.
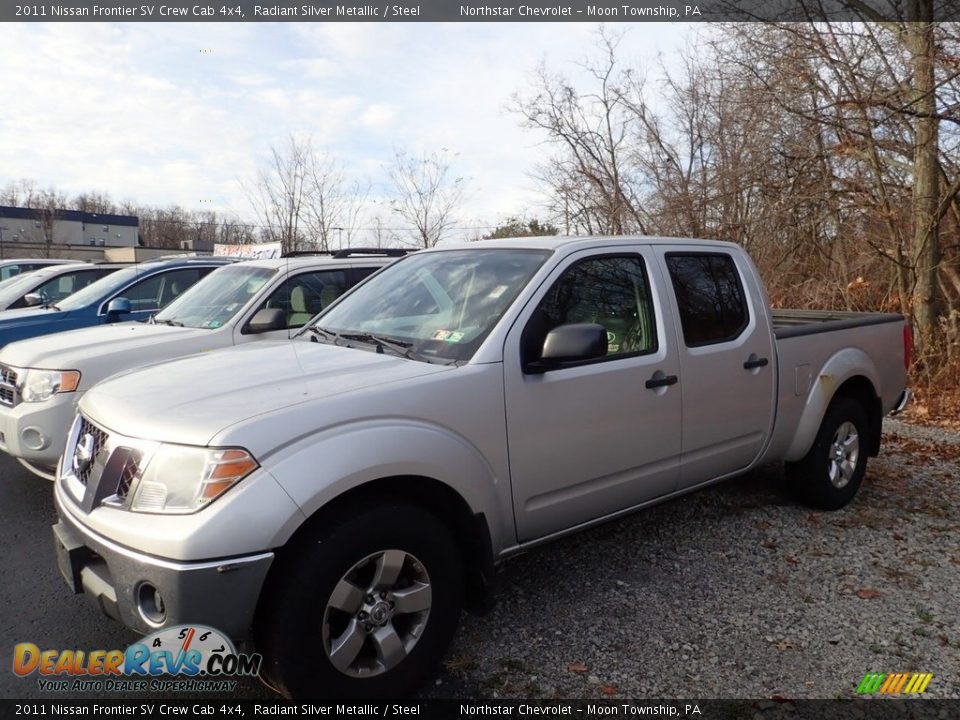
point(1, 242)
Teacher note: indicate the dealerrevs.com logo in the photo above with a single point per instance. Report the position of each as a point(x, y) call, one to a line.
point(894, 683)
point(188, 658)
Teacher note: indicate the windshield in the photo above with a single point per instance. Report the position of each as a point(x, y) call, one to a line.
point(212, 302)
point(104, 286)
point(438, 305)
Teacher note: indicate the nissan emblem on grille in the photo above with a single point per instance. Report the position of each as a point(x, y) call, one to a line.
point(83, 455)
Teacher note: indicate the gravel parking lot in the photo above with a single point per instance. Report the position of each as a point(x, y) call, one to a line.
point(733, 592)
point(739, 592)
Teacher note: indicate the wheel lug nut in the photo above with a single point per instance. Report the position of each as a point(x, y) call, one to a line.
point(362, 615)
point(370, 598)
point(383, 595)
point(368, 627)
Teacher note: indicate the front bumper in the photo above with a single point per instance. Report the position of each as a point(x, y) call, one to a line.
point(37, 432)
point(125, 584)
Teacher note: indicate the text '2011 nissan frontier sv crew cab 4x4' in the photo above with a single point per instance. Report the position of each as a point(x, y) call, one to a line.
point(339, 498)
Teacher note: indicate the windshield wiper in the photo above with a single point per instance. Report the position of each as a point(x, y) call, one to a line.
point(328, 335)
point(402, 348)
point(172, 323)
point(397, 347)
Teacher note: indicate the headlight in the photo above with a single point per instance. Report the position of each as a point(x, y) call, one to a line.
point(40, 385)
point(179, 479)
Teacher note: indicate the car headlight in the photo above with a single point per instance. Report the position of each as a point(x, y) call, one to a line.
point(179, 479)
point(39, 385)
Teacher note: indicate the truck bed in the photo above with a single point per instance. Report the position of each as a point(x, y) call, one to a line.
point(796, 323)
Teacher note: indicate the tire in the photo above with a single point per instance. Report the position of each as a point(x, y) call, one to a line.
point(830, 474)
point(386, 646)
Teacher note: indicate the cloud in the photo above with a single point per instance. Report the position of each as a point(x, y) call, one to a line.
point(377, 115)
point(178, 113)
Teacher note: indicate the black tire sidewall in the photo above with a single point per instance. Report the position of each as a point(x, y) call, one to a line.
point(289, 631)
point(813, 473)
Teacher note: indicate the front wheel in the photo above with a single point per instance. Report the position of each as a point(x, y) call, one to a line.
point(364, 608)
point(830, 474)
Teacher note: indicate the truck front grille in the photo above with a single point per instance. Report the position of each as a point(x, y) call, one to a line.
point(8, 386)
point(128, 471)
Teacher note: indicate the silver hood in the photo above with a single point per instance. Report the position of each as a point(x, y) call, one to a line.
point(191, 400)
point(76, 348)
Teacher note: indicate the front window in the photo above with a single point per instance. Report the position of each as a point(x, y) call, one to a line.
point(436, 306)
point(15, 287)
point(213, 302)
point(103, 287)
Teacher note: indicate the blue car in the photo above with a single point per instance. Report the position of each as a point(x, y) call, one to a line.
point(134, 293)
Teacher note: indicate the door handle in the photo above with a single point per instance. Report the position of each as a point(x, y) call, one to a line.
point(663, 381)
point(754, 362)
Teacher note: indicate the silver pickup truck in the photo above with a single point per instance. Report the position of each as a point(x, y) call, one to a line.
point(340, 498)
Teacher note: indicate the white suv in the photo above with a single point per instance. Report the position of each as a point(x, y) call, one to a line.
point(235, 304)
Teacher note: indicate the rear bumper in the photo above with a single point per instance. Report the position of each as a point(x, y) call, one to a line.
point(902, 402)
point(125, 584)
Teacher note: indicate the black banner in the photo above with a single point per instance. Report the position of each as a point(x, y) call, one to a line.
point(466, 10)
point(873, 709)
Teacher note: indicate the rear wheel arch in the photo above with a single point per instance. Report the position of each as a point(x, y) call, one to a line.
point(860, 389)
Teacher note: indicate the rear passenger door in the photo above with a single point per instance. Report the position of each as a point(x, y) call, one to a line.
point(726, 361)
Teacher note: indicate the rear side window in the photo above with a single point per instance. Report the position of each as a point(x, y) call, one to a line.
point(710, 297)
point(157, 290)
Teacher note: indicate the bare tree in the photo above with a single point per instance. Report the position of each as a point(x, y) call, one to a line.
point(427, 195)
point(333, 202)
point(594, 132)
point(94, 202)
point(304, 199)
point(280, 194)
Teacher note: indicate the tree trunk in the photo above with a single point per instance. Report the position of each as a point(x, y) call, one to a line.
point(925, 248)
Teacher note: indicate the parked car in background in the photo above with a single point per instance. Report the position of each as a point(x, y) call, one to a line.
point(233, 305)
point(344, 494)
point(12, 268)
point(51, 284)
point(134, 293)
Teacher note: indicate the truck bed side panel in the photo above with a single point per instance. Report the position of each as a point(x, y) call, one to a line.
point(812, 365)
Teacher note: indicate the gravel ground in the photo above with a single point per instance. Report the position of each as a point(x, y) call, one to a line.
point(737, 592)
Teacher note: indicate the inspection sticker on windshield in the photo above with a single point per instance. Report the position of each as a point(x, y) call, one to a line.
point(448, 335)
point(497, 291)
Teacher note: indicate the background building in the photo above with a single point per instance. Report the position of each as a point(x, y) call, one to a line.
point(48, 228)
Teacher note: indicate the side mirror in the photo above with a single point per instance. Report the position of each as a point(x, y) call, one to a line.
point(118, 306)
point(32, 299)
point(267, 320)
point(569, 345)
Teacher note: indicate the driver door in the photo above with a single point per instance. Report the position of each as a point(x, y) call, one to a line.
point(592, 439)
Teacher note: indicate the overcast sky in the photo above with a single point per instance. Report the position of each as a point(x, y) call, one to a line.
point(138, 111)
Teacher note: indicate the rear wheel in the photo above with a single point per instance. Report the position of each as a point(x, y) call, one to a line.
point(830, 474)
point(364, 608)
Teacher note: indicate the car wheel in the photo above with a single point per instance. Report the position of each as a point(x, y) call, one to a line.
point(364, 608)
point(830, 474)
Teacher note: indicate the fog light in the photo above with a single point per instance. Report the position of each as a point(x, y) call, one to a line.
point(150, 604)
point(33, 439)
